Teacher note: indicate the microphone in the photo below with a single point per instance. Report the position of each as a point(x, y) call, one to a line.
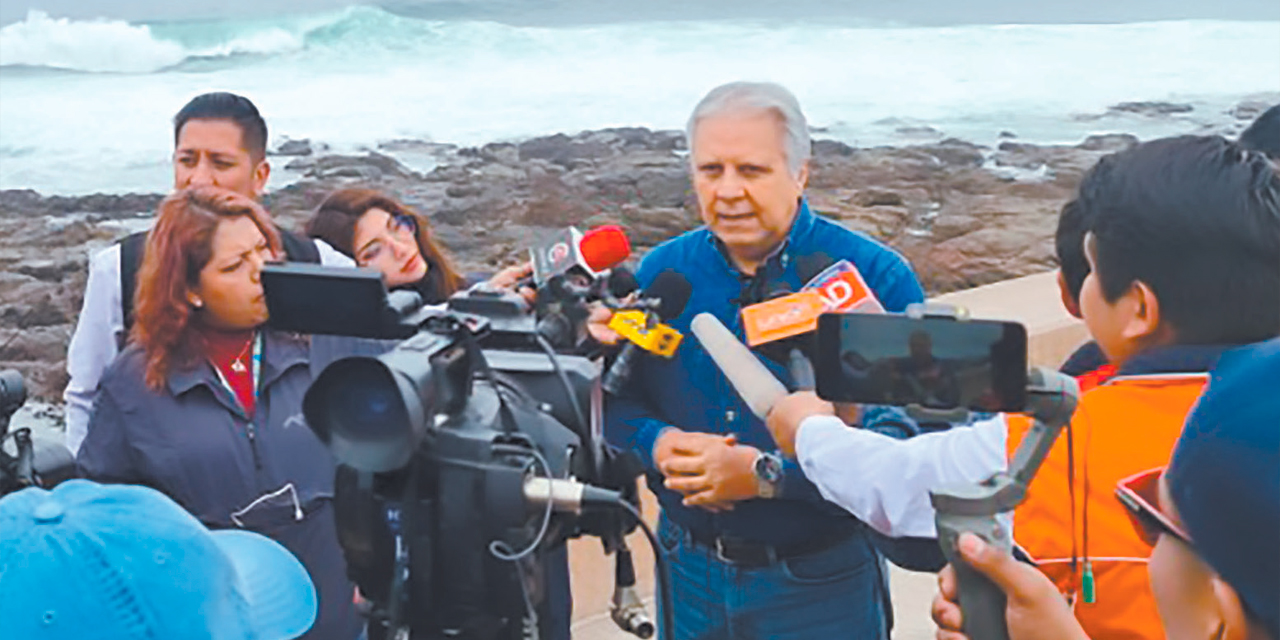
point(839, 287)
point(644, 328)
point(748, 375)
point(570, 250)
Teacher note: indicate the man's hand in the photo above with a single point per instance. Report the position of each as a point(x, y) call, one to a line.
point(1035, 609)
point(784, 419)
point(598, 325)
point(712, 471)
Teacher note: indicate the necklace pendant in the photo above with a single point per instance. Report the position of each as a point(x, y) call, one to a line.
point(237, 366)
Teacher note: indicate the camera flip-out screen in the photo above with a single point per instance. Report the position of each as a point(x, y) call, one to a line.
point(313, 299)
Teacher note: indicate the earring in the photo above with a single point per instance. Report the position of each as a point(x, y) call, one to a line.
point(197, 302)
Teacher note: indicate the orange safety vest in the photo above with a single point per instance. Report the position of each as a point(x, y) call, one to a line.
point(1071, 523)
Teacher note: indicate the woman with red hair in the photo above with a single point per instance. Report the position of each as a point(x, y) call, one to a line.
point(205, 403)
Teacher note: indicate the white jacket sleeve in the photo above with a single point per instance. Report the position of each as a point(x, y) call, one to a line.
point(331, 257)
point(95, 343)
point(885, 482)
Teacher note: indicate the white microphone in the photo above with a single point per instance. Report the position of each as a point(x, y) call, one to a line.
point(749, 377)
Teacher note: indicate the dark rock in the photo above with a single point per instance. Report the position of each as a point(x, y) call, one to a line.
point(877, 198)
point(1152, 108)
point(49, 270)
point(918, 131)
point(294, 148)
point(832, 148)
point(1108, 142)
point(370, 167)
point(1007, 135)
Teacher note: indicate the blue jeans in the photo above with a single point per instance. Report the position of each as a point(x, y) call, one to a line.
point(835, 593)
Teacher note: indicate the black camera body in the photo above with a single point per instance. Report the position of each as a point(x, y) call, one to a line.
point(33, 463)
point(438, 439)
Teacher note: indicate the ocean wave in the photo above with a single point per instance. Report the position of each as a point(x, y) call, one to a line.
point(116, 46)
point(94, 46)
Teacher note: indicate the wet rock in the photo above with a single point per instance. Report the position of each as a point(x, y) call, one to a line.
point(1152, 108)
point(294, 148)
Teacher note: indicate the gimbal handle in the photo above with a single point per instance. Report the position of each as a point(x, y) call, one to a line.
point(1051, 401)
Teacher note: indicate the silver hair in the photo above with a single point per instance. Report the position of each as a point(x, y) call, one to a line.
point(738, 97)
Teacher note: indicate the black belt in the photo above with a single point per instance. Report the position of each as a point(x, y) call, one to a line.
point(744, 553)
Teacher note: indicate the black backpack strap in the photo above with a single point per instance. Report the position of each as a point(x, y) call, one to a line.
point(298, 248)
point(132, 248)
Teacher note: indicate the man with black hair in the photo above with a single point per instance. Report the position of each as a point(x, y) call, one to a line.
point(219, 139)
point(1184, 264)
point(1264, 134)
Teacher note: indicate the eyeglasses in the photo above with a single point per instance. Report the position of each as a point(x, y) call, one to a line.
point(1140, 494)
point(399, 227)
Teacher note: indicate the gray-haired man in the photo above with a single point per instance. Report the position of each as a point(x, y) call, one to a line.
point(755, 550)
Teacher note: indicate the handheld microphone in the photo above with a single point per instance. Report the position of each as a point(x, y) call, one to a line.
point(642, 328)
point(749, 377)
point(570, 250)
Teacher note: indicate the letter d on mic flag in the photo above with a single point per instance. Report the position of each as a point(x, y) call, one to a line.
point(843, 289)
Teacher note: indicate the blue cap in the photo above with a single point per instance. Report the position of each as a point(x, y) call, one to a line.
point(1225, 477)
point(89, 561)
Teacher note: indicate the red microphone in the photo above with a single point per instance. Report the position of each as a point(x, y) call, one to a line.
point(604, 247)
point(571, 250)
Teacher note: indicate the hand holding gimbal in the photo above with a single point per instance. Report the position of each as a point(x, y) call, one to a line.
point(1051, 400)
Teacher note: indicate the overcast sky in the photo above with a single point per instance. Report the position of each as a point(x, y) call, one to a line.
point(561, 11)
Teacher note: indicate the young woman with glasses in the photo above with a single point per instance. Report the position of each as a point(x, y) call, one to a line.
point(382, 234)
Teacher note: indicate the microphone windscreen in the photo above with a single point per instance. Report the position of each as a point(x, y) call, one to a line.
point(748, 375)
point(604, 247)
point(673, 290)
point(622, 282)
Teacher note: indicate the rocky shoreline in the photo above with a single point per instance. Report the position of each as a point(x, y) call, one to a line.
point(964, 214)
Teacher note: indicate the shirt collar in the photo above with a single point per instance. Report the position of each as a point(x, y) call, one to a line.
point(279, 354)
point(1174, 359)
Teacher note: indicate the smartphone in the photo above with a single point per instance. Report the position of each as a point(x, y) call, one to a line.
point(935, 363)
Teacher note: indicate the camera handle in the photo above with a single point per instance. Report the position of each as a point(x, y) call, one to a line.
point(1051, 401)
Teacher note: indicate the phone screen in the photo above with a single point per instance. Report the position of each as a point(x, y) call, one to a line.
point(937, 363)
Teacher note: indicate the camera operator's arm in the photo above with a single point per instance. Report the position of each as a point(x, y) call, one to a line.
point(883, 481)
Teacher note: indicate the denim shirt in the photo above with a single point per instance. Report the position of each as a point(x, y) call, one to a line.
point(689, 392)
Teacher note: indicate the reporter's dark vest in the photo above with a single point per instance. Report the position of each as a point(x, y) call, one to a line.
point(296, 248)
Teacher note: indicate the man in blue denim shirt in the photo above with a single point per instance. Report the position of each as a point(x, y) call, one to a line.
point(755, 550)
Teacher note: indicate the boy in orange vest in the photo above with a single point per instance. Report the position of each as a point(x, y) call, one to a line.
point(1184, 256)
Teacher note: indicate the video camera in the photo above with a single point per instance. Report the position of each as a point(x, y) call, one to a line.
point(32, 463)
point(466, 450)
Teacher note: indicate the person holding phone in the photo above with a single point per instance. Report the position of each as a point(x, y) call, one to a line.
point(205, 404)
point(1175, 219)
point(1212, 518)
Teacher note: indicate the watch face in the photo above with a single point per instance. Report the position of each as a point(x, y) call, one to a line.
point(769, 467)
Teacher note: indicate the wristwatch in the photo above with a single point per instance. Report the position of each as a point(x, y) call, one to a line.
point(768, 472)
